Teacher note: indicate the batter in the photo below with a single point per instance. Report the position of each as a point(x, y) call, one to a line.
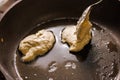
point(36, 44)
point(78, 36)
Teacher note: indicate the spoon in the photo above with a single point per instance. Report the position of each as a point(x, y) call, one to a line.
point(84, 26)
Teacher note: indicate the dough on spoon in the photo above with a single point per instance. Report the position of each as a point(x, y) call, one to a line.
point(36, 44)
point(78, 36)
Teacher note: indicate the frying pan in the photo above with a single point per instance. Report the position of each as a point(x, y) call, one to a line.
point(99, 60)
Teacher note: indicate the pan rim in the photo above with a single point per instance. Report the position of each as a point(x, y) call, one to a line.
point(9, 8)
point(3, 71)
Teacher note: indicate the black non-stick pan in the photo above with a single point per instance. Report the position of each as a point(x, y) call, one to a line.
point(99, 60)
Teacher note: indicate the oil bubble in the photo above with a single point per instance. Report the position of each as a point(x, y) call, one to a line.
point(52, 67)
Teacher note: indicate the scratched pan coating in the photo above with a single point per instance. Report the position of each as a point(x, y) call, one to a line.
point(99, 60)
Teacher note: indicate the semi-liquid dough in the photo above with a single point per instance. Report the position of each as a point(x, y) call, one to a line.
point(78, 36)
point(69, 36)
point(36, 44)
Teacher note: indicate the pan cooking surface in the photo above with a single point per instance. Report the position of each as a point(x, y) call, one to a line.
point(99, 60)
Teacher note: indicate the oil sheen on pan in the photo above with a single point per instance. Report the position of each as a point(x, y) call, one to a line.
point(99, 60)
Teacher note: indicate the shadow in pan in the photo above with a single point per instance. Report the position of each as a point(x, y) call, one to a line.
point(83, 54)
point(2, 76)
